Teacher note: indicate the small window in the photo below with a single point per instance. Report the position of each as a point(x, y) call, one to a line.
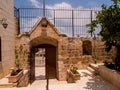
point(0, 51)
point(87, 47)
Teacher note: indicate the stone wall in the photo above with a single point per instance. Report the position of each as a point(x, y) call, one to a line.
point(23, 39)
point(74, 50)
point(24, 80)
point(101, 54)
point(69, 50)
point(7, 36)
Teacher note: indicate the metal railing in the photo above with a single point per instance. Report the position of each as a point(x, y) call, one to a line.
point(69, 22)
point(16, 12)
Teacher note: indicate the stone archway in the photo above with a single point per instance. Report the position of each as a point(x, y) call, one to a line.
point(51, 47)
point(47, 37)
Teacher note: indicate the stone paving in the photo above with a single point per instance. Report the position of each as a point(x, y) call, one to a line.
point(87, 82)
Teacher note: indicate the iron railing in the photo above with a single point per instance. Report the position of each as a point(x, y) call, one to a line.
point(16, 12)
point(69, 22)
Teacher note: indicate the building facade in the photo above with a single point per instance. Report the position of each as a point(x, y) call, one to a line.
point(7, 37)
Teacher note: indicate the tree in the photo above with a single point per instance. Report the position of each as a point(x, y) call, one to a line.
point(109, 20)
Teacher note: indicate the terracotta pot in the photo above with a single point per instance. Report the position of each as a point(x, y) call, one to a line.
point(13, 79)
point(75, 76)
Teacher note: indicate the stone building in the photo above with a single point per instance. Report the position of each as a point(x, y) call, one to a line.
point(7, 37)
point(60, 50)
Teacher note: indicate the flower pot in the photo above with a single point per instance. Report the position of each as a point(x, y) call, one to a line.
point(13, 79)
point(75, 76)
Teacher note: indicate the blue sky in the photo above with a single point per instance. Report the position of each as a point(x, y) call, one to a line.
point(72, 3)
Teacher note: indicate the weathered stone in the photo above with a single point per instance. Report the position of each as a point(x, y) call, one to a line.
point(68, 50)
point(24, 81)
point(7, 36)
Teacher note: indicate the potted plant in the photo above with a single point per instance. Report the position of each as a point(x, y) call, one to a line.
point(74, 73)
point(17, 72)
point(15, 75)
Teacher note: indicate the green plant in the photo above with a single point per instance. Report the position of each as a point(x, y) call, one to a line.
point(112, 65)
point(109, 20)
point(20, 56)
point(74, 69)
point(17, 61)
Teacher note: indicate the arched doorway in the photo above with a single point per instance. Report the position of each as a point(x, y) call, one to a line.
point(50, 61)
point(87, 47)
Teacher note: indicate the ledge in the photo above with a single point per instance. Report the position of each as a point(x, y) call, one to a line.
point(110, 75)
point(24, 81)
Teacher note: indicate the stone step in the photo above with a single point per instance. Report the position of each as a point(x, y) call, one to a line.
point(7, 85)
point(91, 70)
point(95, 66)
point(4, 83)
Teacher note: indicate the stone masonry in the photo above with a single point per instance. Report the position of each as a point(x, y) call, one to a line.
point(7, 36)
point(69, 50)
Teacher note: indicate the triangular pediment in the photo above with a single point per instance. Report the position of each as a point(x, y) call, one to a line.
point(42, 24)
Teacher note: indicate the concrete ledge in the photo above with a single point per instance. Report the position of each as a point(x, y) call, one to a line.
point(110, 75)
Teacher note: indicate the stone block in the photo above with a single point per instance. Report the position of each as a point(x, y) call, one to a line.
point(111, 76)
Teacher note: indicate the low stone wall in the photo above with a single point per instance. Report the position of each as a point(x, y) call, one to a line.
point(24, 81)
point(110, 75)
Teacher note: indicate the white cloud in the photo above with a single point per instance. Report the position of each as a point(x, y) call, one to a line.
point(64, 10)
point(62, 5)
point(35, 3)
point(27, 24)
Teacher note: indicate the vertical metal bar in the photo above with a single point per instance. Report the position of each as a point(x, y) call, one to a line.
point(91, 21)
point(47, 77)
point(44, 8)
point(54, 17)
point(94, 38)
point(18, 22)
point(72, 23)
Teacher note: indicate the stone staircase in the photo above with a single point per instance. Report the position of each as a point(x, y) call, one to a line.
point(4, 83)
point(93, 68)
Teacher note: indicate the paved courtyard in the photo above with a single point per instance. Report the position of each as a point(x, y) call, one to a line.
point(87, 82)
